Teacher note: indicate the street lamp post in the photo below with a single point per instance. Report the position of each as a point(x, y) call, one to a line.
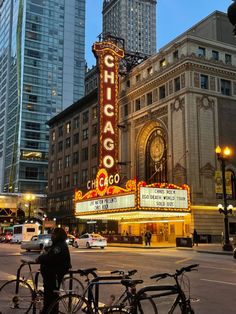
point(29, 198)
point(222, 155)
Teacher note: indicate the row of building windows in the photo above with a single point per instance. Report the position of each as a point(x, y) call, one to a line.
point(76, 139)
point(73, 180)
point(76, 124)
point(72, 160)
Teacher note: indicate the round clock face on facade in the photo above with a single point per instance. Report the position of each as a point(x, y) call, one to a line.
point(157, 148)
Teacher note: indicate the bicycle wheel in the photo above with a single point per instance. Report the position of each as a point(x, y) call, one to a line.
point(70, 304)
point(16, 302)
point(146, 305)
point(72, 285)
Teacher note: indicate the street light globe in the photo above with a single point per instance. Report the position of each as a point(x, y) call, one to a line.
point(230, 206)
point(220, 206)
point(227, 151)
point(218, 150)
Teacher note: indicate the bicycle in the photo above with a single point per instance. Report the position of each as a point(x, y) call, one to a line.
point(89, 301)
point(163, 291)
point(20, 295)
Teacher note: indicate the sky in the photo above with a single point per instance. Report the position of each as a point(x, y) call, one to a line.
point(173, 18)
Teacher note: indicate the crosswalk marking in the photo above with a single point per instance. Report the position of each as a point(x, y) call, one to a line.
point(6, 276)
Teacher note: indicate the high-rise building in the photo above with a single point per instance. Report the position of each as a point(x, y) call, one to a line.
point(134, 21)
point(42, 61)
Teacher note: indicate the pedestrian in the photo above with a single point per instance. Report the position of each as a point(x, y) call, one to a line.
point(195, 237)
point(54, 264)
point(148, 237)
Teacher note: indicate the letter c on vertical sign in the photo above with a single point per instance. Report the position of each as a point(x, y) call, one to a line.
point(109, 61)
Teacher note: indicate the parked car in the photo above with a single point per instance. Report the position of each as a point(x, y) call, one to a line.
point(37, 243)
point(6, 237)
point(70, 239)
point(89, 240)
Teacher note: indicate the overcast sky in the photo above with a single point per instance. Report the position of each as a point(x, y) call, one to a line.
point(173, 18)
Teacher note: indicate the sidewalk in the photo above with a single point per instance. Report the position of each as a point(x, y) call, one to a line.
point(211, 248)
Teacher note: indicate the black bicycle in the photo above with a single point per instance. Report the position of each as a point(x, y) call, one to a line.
point(159, 292)
point(89, 302)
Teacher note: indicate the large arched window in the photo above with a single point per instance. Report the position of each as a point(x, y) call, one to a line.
point(156, 158)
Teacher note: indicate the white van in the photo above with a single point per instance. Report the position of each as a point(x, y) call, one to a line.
point(24, 232)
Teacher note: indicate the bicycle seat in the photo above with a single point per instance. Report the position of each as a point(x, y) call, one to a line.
point(86, 272)
point(130, 282)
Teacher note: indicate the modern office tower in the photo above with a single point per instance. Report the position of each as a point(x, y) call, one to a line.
point(42, 47)
point(134, 21)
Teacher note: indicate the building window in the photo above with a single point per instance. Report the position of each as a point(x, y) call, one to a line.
point(85, 117)
point(94, 151)
point(215, 55)
point(60, 131)
point(128, 83)
point(75, 178)
point(67, 181)
point(76, 139)
point(149, 98)
point(177, 83)
point(75, 158)
point(52, 149)
point(68, 127)
point(85, 134)
point(204, 81)
point(175, 55)
point(137, 104)
point(201, 52)
point(68, 142)
point(59, 164)
point(94, 129)
point(138, 78)
point(31, 173)
point(52, 168)
point(225, 87)
point(94, 112)
point(228, 59)
point(162, 92)
point(67, 161)
point(84, 175)
point(85, 154)
point(94, 172)
point(150, 71)
point(60, 146)
point(126, 110)
point(162, 63)
point(53, 135)
point(76, 123)
point(59, 183)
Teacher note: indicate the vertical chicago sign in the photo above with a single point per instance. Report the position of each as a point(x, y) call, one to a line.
point(108, 56)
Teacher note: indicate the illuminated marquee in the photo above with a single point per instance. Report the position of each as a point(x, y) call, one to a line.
point(108, 56)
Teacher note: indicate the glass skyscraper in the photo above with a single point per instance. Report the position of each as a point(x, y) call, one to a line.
point(134, 21)
point(42, 61)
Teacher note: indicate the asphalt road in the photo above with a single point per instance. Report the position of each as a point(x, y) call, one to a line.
point(212, 286)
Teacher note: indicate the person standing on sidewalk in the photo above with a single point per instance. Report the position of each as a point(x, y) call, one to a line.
point(148, 237)
point(195, 237)
point(55, 263)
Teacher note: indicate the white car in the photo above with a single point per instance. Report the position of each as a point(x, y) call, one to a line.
point(89, 240)
point(37, 243)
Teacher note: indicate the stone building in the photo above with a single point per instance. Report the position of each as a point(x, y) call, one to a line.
point(175, 108)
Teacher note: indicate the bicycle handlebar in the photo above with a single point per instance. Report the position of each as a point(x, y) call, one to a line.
point(177, 273)
point(123, 273)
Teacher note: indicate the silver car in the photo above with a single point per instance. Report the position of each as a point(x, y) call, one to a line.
point(37, 243)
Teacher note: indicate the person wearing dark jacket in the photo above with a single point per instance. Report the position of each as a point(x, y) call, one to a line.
point(54, 264)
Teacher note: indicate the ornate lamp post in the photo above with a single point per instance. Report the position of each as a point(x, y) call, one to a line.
point(222, 155)
point(29, 198)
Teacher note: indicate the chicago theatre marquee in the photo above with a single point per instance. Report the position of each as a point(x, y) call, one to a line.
point(136, 205)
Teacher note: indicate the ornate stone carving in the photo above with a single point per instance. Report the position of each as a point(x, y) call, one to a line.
point(178, 104)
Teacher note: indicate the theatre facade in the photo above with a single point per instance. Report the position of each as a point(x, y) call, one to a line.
point(138, 152)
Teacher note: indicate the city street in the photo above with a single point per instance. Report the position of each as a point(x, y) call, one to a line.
point(212, 287)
